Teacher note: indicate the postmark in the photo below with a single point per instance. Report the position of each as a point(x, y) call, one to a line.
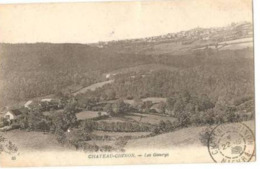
point(230, 143)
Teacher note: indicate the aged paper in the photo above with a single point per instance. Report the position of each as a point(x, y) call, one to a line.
point(108, 83)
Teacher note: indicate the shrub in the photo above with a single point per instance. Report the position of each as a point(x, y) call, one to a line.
point(205, 135)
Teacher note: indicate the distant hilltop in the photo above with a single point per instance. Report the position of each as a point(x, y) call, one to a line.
point(218, 34)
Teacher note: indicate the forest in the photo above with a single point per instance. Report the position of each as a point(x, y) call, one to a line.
point(34, 70)
point(202, 87)
point(224, 76)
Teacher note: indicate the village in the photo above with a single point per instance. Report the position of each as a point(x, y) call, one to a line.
point(221, 34)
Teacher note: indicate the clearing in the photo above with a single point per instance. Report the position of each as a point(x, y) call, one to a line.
point(152, 99)
point(89, 114)
point(120, 134)
point(143, 67)
point(93, 87)
point(149, 118)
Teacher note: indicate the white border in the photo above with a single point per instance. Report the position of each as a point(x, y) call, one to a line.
point(47, 1)
point(187, 166)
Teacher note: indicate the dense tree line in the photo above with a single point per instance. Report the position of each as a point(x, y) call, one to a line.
point(224, 76)
point(90, 125)
point(33, 70)
point(55, 122)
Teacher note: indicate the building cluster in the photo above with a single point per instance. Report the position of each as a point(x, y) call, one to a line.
point(46, 104)
point(217, 34)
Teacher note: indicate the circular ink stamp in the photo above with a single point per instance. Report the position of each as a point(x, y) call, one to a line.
point(231, 143)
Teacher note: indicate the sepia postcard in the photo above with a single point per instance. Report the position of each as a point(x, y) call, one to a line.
point(114, 83)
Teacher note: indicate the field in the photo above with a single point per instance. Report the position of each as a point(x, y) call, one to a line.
point(93, 87)
point(152, 99)
point(171, 48)
point(129, 117)
point(144, 67)
point(243, 40)
point(155, 99)
point(101, 143)
point(182, 138)
point(115, 137)
point(31, 141)
point(114, 119)
point(88, 115)
point(229, 45)
point(149, 118)
point(238, 46)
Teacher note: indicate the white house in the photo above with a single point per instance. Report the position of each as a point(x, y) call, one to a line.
point(28, 103)
point(12, 114)
point(104, 113)
point(46, 100)
point(108, 76)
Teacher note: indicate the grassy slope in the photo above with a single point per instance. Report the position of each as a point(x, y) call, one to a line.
point(31, 141)
point(93, 87)
point(149, 118)
point(143, 67)
point(181, 138)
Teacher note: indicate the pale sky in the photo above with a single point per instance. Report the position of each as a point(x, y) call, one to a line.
point(103, 21)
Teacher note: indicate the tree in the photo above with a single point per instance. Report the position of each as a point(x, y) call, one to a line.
point(111, 94)
point(162, 125)
point(161, 107)
point(146, 106)
point(64, 120)
point(138, 104)
point(205, 135)
point(3, 122)
point(99, 114)
point(108, 108)
point(189, 108)
point(170, 102)
point(185, 96)
point(179, 107)
point(119, 107)
point(88, 126)
point(60, 136)
point(205, 103)
point(168, 125)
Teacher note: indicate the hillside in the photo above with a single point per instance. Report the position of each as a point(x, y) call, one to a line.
point(181, 138)
point(35, 70)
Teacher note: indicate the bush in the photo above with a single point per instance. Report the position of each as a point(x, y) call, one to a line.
point(60, 136)
point(106, 148)
point(205, 135)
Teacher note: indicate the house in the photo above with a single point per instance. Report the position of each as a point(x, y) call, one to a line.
point(46, 100)
point(28, 103)
point(108, 76)
point(12, 114)
point(104, 113)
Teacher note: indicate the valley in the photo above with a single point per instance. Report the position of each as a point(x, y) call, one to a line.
point(155, 92)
